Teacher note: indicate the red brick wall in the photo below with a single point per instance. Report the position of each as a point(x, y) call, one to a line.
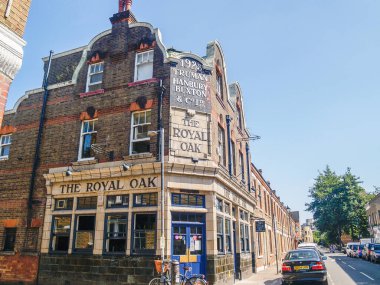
point(5, 82)
point(18, 267)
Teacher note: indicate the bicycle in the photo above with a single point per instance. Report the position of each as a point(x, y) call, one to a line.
point(166, 278)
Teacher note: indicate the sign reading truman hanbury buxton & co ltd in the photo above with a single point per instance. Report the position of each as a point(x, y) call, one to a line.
point(190, 86)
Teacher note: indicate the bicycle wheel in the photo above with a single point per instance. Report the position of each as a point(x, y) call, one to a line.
point(155, 281)
point(195, 281)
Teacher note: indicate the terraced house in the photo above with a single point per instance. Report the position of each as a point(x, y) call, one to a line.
point(131, 152)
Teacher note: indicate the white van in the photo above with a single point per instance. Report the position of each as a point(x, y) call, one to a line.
point(351, 247)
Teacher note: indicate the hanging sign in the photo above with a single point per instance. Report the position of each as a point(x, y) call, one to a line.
point(260, 226)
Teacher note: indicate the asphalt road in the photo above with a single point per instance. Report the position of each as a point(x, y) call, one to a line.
point(343, 270)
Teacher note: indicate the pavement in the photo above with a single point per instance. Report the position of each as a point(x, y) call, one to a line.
point(266, 277)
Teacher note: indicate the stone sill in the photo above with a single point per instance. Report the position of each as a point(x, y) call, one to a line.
point(84, 162)
point(5, 253)
point(91, 93)
point(138, 156)
point(141, 82)
point(4, 158)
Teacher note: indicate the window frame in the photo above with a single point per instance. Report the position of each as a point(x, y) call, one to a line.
point(75, 232)
point(137, 65)
point(67, 201)
point(106, 233)
point(5, 145)
point(150, 198)
point(228, 239)
point(133, 251)
point(52, 235)
point(82, 135)
point(241, 164)
point(181, 197)
point(12, 232)
point(78, 208)
point(118, 207)
point(220, 235)
point(219, 85)
point(89, 74)
point(147, 138)
point(222, 146)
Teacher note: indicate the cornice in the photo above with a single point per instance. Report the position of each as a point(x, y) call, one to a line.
point(11, 52)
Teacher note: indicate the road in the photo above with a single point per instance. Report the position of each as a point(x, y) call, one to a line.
point(342, 270)
point(349, 271)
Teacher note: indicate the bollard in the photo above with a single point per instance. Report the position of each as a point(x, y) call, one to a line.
point(175, 272)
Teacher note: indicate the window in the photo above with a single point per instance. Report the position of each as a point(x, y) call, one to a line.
point(244, 237)
point(140, 141)
point(239, 119)
point(241, 162)
point(219, 204)
point(95, 76)
point(228, 235)
point(60, 238)
point(85, 203)
point(119, 201)
point(219, 85)
point(219, 234)
point(63, 204)
point(5, 146)
point(221, 146)
point(186, 217)
point(144, 233)
point(227, 208)
point(179, 240)
point(145, 200)
point(10, 239)
point(189, 200)
point(259, 245)
point(144, 65)
point(116, 233)
point(87, 139)
point(244, 216)
point(233, 158)
point(84, 233)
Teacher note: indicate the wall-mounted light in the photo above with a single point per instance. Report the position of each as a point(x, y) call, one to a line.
point(126, 166)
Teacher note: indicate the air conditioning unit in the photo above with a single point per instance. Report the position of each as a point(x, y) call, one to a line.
point(61, 204)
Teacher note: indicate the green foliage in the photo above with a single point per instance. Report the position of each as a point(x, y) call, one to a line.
point(338, 205)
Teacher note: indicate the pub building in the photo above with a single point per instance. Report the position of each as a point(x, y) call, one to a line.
point(80, 171)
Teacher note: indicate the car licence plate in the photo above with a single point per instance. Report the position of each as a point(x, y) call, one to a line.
point(301, 268)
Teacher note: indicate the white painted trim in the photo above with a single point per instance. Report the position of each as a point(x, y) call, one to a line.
point(65, 53)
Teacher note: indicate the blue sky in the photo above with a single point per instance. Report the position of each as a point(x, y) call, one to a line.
point(309, 71)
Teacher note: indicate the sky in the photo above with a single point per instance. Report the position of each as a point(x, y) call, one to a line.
point(309, 72)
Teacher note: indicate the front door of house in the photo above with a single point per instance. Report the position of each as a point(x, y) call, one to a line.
point(188, 245)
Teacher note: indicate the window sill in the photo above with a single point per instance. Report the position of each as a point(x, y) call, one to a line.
point(138, 155)
point(91, 93)
point(85, 161)
point(4, 158)
point(5, 253)
point(141, 82)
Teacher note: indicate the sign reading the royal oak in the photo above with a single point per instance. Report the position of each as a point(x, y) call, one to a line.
point(190, 86)
point(107, 185)
point(190, 134)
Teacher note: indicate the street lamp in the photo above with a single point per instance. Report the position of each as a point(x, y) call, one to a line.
point(162, 145)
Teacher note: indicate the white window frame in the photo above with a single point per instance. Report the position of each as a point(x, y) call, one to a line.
point(5, 144)
point(89, 74)
point(132, 140)
point(149, 61)
point(219, 85)
point(82, 134)
point(221, 146)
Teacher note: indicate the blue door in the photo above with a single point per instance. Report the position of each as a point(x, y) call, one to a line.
point(189, 246)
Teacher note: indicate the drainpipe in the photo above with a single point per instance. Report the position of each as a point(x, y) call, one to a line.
point(36, 161)
point(248, 167)
point(228, 120)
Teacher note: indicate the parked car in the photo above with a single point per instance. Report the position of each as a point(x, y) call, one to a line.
point(375, 253)
point(304, 265)
point(366, 251)
point(358, 253)
point(310, 245)
point(349, 248)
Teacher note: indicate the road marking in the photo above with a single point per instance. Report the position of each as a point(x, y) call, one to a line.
point(367, 276)
point(352, 267)
point(344, 262)
point(329, 277)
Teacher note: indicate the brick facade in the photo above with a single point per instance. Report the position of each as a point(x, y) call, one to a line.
point(197, 170)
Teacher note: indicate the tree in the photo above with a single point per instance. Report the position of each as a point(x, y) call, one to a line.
point(338, 205)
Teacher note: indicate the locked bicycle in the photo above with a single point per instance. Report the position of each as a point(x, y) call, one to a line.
point(184, 279)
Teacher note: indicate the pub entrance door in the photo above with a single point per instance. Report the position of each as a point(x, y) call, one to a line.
point(189, 241)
